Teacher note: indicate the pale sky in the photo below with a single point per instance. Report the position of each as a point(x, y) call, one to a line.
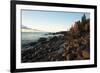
point(50, 21)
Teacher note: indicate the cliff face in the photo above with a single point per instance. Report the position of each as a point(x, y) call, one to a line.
point(70, 45)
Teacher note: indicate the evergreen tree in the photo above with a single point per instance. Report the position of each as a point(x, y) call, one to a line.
point(78, 22)
point(83, 19)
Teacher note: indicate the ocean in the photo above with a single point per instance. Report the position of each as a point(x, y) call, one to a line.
point(27, 37)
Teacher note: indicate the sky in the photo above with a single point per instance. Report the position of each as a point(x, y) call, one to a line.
point(50, 21)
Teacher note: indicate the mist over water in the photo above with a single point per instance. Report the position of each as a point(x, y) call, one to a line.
point(28, 37)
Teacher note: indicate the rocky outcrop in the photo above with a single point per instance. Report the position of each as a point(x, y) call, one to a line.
point(58, 49)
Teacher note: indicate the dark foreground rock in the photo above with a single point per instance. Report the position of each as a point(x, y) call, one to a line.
point(58, 48)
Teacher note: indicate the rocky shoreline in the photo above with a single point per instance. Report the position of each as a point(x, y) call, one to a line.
point(58, 48)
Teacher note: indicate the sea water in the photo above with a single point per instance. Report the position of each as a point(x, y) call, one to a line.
point(27, 37)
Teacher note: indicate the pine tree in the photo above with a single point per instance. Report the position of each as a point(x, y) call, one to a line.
point(83, 19)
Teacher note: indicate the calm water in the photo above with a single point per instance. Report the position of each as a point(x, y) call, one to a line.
point(28, 37)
